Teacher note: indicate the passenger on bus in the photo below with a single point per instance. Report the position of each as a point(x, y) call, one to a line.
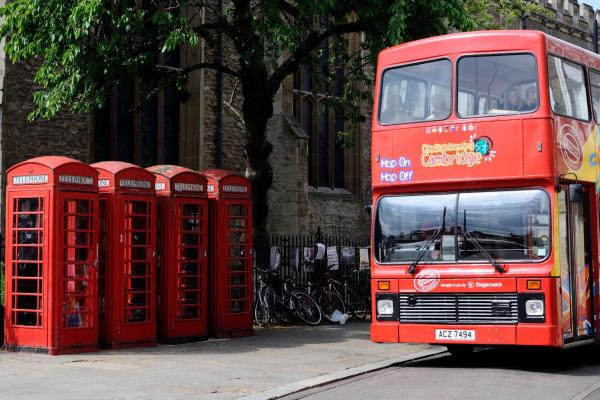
point(512, 102)
point(393, 106)
point(439, 107)
point(531, 99)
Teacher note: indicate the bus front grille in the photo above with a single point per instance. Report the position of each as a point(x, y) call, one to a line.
point(461, 308)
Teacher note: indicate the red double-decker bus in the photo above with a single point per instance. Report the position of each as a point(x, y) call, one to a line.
point(485, 191)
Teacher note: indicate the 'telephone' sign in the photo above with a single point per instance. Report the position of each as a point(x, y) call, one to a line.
point(76, 180)
point(188, 187)
point(134, 183)
point(30, 179)
point(235, 188)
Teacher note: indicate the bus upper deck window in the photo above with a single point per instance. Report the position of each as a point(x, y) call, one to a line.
point(568, 94)
point(417, 92)
point(500, 84)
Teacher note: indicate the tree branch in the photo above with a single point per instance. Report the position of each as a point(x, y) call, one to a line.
point(194, 67)
point(310, 43)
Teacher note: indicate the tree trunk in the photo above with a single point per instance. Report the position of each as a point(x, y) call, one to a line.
point(257, 109)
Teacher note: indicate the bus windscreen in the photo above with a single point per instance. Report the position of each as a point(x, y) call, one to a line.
point(509, 225)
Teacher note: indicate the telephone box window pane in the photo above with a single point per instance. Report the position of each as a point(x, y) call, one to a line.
point(25, 318)
point(28, 205)
point(138, 253)
point(236, 251)
point(137, 315)
point(188, 297)
point(237, 237)
point(189, 268)
point(237, 210)
point(238, 292)
point(81, 254)
point(28, 286)
point(26, 302)
point(191, 238)
point(82, 239)
point(237, 223)
point(139, 207)
point(139, 238)
point(238, 279)
point(136, 299)
point(191, 210)
point(237, 265)
point(139, 223)
point(138, 269)
point(237, 306)
point(190, 253)
point(138, 284)
point(187, 282)
point(27, 270)
point(188, 312)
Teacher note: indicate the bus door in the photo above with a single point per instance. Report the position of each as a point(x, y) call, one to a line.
point(576, 259)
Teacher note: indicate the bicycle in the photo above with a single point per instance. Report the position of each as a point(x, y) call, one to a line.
point(328, 300)
point(355, 303)
point(262, 312)
point(287, 302)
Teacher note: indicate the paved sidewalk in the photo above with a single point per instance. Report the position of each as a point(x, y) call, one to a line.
point(216, 369)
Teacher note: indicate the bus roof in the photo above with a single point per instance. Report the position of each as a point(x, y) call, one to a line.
point(481, 42)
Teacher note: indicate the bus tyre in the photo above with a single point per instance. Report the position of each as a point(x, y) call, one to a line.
point(460, 350)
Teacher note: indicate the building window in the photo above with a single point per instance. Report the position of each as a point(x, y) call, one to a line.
point(327, 156)
point(145, 136)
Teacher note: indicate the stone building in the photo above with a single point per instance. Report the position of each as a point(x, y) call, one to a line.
point(317, 181)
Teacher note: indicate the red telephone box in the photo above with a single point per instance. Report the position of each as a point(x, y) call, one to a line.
point(127, 288)
point(51, 256)
point(230, 253)
point(182, 237)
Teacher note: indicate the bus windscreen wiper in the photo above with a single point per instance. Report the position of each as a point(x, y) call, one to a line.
point(436, 234)
point(477, 243)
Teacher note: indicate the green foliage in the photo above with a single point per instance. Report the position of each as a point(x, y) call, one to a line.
point(85, 47)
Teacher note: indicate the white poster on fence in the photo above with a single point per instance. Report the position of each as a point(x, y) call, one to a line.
point(332, 259)
point(295, 259)
point(309, 259)
point(320, 251)
point(348, 256)
point(275, 258)
point(363, 254)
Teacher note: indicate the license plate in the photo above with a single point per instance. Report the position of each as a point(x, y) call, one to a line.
point(454, 334)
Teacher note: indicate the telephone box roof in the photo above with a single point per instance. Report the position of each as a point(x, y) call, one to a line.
point(51, 162)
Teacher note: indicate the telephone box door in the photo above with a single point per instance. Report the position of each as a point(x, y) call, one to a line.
point(27, 279)
point(190, 268)
point(76, 272)
point(238, 277)
point(138, 279)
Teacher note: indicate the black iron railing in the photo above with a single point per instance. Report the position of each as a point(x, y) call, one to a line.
point(295, 256)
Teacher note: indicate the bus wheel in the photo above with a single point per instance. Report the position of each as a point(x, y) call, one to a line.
point(460, 350)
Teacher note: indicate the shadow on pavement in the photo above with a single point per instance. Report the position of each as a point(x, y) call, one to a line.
point(578, 361)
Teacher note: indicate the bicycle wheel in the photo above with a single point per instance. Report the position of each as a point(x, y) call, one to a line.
point(329, 301)
point(262, 316)
point(306, 308)
point(277, 306)
point(356, 304)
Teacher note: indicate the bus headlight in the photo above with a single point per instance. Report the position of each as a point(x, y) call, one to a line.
point(534, 308)
point(385, 307)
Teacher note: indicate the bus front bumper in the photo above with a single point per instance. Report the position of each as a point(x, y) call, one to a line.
point(524, 334)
